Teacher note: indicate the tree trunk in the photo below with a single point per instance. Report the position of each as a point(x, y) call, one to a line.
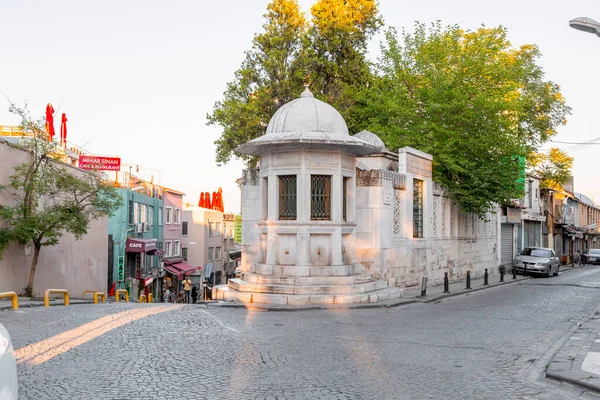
point(36, 254)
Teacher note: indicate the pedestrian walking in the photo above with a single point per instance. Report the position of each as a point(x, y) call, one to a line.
point(187, 286)
point(194, 293)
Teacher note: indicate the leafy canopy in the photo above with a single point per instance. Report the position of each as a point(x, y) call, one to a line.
point(468, 98)
point(553, 168)
point(329, 51)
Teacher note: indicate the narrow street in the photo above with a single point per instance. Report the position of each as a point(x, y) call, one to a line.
point(486, 345)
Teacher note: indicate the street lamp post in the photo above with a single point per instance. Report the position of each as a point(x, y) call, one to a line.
point(585, 24)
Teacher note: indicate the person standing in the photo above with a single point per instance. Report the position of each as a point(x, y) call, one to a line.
point(187, 286)
point(194, 294)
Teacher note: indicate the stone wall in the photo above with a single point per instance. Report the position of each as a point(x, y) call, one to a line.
point(75, 265)
point(453, 241)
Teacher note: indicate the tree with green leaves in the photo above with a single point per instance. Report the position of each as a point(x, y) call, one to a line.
point(553, 168)
point(328, 51)
point(470, 99)
point(49, 198)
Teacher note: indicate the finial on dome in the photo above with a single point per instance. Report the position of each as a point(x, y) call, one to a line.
point(307, 92)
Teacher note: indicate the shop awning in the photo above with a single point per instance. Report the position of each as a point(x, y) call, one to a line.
point(180, 268)
point(173, 270)
point(138, 245)
point(185, 268)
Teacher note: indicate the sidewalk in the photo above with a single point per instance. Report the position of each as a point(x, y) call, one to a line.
point(24, 302)
point(409, 295)
point(578, 360)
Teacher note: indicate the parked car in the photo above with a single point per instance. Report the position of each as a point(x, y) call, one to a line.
point(8, 367)
point(591, 256)
point(538, 260)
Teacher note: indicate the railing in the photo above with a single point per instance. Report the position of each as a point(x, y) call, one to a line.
point(15, 299)
point(48, 292)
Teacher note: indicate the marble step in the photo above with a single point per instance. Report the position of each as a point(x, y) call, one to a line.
point(305, 280)
point(243, 286)
point(225, 293)
point(306, 270)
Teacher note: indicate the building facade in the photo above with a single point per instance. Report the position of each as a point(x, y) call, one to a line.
point(75, 265)
point(135, 234)
point(203, 244)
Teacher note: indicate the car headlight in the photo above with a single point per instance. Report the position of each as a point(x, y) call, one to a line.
point(540, 264)
point(518, 263)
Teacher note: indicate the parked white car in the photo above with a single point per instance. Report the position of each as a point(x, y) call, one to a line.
point(537, 260)
point(8, 367)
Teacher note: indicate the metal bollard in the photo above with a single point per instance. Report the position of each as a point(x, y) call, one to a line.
point(446, 283)
point(468, 279)
point(424, 286)
point(485, 278)
point(514, 272)
point(502, 273)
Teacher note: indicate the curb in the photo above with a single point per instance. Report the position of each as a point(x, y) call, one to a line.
point(559, 377)
point(3, 308)
point(257, 307)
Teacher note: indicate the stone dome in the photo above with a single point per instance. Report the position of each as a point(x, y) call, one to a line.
point(307, 114)
point(370, 138)
point(307, 122)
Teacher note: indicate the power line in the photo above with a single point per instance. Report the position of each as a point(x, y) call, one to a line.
point(595, 141)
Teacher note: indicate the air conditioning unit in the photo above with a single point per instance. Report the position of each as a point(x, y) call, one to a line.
point(138, 228)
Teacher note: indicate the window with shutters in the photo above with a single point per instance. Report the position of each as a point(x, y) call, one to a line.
point(320, 197)
point(287, 197)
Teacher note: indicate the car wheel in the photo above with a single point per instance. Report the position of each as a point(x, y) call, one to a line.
point(547, 274)
point(557, 270)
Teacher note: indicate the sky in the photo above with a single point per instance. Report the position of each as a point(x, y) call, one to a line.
point(137, 78)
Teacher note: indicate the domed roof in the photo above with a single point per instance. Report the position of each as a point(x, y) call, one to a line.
point(307, 114)
point(309, 122)
point(370, 138)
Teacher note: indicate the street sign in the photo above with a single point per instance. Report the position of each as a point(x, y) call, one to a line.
point(238, 229)
point(208, 270)
point(121, 270)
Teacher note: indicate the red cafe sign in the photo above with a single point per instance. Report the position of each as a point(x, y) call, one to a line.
point(100, 163)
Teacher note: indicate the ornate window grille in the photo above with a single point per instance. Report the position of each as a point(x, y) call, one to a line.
point(444, 201)
point(320, 197)
point(397, 217)
point(287, 197)
point(417, 208)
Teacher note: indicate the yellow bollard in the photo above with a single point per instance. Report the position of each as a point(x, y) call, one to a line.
point(150, 298)
point(15, 299)
point(102, 296)
point(48, 292)
point(87, 291)
point(143, 296)
point(119, 291)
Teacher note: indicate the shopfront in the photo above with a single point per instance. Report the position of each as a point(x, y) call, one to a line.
point(174, 273)
point(140, 260)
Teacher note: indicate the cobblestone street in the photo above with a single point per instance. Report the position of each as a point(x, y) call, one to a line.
point(478, 346)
